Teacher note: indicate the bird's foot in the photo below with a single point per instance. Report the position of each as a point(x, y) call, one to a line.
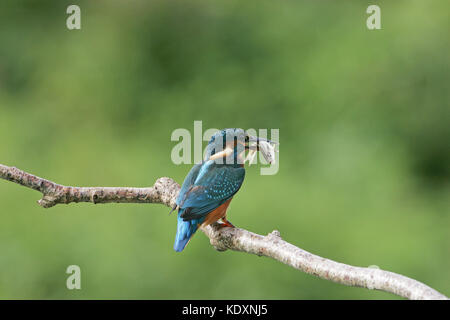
point(173, 209)
point(226, 223)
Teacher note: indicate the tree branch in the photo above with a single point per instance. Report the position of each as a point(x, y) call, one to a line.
point(165, 191)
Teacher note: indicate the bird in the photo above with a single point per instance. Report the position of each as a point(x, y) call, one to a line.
point(209, 186)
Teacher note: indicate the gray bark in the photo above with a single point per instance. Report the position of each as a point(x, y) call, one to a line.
point(165, 191)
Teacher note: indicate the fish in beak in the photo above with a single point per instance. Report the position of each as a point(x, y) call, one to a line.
point(267, 148)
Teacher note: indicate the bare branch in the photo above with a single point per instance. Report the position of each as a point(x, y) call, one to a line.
point(165, 191)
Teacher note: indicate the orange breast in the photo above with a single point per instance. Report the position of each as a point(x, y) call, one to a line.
point(216, 214)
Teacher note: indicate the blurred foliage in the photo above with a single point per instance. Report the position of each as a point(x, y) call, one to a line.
point(364, 130)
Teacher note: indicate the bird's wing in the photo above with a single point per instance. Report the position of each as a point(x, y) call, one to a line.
point(188, 183)
point(214, 185)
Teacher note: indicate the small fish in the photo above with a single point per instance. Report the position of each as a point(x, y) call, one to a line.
point(267, 149)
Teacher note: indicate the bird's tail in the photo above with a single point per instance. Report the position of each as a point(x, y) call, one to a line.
point(185, 230)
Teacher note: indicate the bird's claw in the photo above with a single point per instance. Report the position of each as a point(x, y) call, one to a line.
point(226, 223)
point(173, 209)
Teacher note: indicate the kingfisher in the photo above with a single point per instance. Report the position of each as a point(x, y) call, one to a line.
point(210, 185)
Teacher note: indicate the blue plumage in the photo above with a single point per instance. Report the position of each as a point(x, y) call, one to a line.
point(185, 230)
point(202, 192)
point(206, 187)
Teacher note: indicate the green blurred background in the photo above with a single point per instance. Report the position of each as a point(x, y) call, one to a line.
point(364, 141)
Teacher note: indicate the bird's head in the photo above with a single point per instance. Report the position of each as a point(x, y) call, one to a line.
point(229, 146)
